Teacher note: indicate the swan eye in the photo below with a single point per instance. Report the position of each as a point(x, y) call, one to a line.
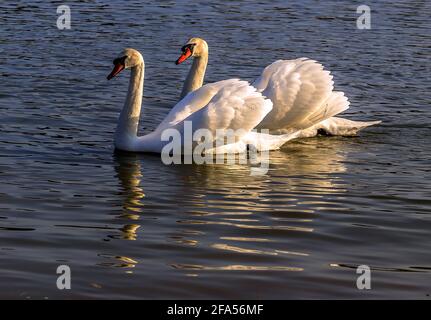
point(189, 46)
point(121, 60)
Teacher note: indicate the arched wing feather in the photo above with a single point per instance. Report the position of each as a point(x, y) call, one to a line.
point(191, 103)
point(301, 92)
point(235, 105)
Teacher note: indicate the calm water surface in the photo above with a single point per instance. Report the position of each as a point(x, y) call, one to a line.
point(131, 227)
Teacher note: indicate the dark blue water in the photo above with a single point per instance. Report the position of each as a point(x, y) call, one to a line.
point(130, 227)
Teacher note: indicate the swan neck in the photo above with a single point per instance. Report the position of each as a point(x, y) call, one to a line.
point(195, 78)
point(128, 122)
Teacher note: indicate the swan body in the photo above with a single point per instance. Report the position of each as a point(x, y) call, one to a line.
point(218, 108)
point(301, 92)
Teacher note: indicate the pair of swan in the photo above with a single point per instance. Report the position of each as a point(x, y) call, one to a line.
point(291, 98)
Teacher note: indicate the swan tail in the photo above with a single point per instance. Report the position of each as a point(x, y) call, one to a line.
point(336, 126)
point(346, 127)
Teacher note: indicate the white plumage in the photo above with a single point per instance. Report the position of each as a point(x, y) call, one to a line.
point(301, 91)
point(292, 98)
point(225, 109)
point(302, 95)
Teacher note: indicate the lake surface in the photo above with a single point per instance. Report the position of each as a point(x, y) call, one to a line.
point(131, 227)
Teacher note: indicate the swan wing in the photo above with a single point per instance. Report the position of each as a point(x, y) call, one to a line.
point(191, 103)
point(301, 92)
point(236, 105)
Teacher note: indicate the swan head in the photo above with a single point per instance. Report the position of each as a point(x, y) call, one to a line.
point(195, 47)
point(128, 58)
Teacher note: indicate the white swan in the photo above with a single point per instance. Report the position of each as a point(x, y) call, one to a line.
point(224, 105)
point(300, 90)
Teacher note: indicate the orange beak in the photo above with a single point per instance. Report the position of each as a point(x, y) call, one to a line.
point(118, 67)
point(186, 54)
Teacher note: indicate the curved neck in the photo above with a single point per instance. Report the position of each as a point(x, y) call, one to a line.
point(195, 78)
point(127, 128)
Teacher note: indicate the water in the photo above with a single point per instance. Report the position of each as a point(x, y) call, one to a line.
point(131, 227)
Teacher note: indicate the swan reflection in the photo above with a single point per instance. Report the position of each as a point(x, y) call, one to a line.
point(222, 208)
point(129, 173)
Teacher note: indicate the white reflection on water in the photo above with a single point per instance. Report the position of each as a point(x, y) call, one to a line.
point(130, 178)
point(249, 210)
